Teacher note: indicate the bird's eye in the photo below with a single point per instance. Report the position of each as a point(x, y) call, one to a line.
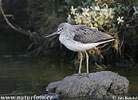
point(60, 29)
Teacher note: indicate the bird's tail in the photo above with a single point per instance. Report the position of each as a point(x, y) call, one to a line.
point(109, 40)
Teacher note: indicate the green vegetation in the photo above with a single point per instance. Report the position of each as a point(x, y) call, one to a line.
point(112, 17)
point(103, 15)
point(116, 17)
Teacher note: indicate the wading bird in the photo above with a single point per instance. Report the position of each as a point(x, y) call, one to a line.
point(80, 38)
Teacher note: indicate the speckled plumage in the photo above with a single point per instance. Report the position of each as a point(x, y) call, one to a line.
point(85, 34)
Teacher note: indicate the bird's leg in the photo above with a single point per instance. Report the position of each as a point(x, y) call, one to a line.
point(87, 61)
point(80, 62)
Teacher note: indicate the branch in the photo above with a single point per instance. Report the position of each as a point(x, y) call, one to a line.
point(5, 17)
point(33, 35)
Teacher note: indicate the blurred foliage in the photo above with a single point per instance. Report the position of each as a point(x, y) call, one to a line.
point(46, 16)
point(116, 17)
point(109, 16)
point(104, 15)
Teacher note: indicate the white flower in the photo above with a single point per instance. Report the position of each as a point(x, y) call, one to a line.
point(93, 27)
point(85, 12)
point(78, 18)
point(73, 10)
point(97, 8)
point(69, 18)
point(120, 20)
point(91, 7)
point(104, 11)
point(107, 12)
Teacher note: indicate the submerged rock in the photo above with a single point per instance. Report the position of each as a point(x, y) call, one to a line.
point(96, 85)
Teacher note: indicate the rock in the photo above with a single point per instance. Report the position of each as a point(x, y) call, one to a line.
point(97, 85)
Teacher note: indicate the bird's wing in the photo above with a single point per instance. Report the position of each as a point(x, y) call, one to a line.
point(85, 34)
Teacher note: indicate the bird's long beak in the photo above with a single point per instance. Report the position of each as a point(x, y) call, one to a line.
point(55, 33)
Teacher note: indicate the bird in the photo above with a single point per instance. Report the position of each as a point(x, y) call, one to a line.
point(80, 38)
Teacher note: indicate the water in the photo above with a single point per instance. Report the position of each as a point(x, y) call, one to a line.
point(29, 76)
point(22, 75)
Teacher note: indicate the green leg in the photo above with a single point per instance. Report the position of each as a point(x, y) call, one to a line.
point(87, 62)
point(80, 62)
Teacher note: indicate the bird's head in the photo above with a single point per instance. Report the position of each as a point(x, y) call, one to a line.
point(60, 28)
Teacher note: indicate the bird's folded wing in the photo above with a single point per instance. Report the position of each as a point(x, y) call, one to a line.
point(85, 34)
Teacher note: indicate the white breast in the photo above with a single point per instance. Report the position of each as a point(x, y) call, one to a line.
point(74, 45)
